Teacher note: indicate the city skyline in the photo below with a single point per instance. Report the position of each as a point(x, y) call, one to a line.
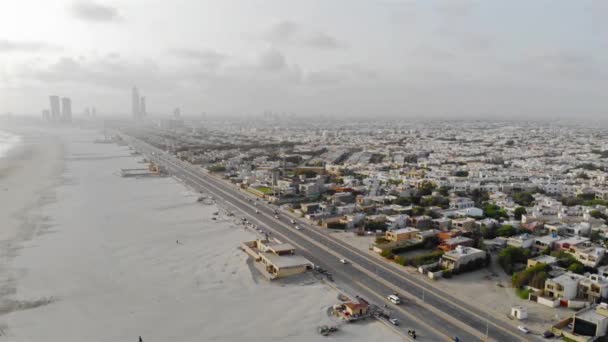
point(392, 58)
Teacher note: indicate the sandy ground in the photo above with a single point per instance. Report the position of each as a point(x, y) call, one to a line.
point(480, 289)
point(100, 260)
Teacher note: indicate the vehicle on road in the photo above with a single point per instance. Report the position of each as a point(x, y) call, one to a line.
point(393, 321)
point(344, 261)
point(548, 334)
point(412, 333)
point(394, 299)
point(523, 329)
point(276, 217)
point(292, 221)
point(257, 211)
point(297, 227)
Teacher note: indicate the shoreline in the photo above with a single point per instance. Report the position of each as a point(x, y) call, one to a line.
point(103, 261)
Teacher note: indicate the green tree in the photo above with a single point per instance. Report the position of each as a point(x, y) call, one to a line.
point(523, 198)
point(506, 230)
point(404, 201)
point(518, 212)
point(577, 268)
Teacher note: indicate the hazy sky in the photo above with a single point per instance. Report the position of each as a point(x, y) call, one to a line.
point(336, 57)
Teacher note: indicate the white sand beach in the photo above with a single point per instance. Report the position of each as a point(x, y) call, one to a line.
point(90, 256)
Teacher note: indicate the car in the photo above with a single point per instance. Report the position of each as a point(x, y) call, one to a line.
point(292, 221)
point(276, 217)
point(297, 227)
point(394, 299)
point(344, 261)
point(548, 334)
point(393, 321)
point(523, 329)
point(257, 211)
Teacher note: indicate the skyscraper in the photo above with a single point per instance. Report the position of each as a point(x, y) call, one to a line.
point(55, 107)
point(142, 106)
point(135, 102)
point(66, 109)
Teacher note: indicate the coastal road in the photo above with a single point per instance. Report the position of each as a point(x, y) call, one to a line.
point(439, 317)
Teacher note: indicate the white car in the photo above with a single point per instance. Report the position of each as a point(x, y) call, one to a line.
point(257, 211)
point(523, 329)
point(394, 299)
point(344, 261)
point(393, 321)
point(297, 227)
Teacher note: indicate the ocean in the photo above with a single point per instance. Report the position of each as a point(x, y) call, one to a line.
point(7, 142)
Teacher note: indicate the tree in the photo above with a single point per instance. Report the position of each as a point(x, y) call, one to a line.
point(523, 198)
point(577, 268)
point(518, 212)
point(494, 211)
point(426, 189)
point(404, 201)
point(461, 173)
point(443, 190)
point(479, 196)
point(216, 168)
point(488, 232)
point(506, 230)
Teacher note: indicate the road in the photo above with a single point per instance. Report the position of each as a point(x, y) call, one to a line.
point(439, 317)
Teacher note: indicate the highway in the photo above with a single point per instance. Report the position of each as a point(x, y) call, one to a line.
point(439, 317)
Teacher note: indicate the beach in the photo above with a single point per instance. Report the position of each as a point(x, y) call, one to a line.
point(90, 255)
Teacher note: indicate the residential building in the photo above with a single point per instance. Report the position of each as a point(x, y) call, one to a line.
point(588, 256)
point(593, 288)
point(563, 287)
point(459, 256)
point(521, 241)
point(591, 321)
point(403, 234)
point(542, 259)
point(274, 259)
point(452, 243)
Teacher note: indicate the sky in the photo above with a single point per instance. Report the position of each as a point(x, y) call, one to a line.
point(343, 58)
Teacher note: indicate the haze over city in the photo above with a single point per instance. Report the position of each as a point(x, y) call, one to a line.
point(448, 59)
point(303, 170)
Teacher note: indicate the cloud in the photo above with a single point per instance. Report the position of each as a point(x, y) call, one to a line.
point(323, 41)
point(281, 32)
point(93, 11)
point(272, 60)
point(208, 58)
point(562, 64)
point(25, 46)
point(288, 33)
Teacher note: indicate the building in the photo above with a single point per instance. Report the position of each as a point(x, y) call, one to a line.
point(459, 256)
point(355, 309)
point(402, 234)
point(66, 109)
point(461, 203)
point(588, 256)
point(591, 321)
point(593, 288)
point(563, 287)
point(542, 259)
point(135, 103)
point(46, 115)
point(541, 243)
point(55, 107)
point(451, 244)
point(463, 224)
point(142, 107)
point(522, 241)
point(275, 259)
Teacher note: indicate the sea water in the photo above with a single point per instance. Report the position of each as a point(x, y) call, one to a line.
point(7, 142)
